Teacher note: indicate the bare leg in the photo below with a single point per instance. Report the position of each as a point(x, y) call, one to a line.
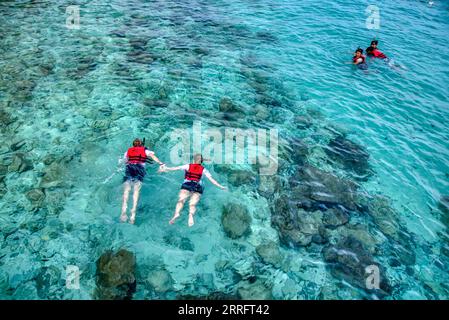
point(192, 206)
point(183, 195)
point(137, 186)
point(127, 189)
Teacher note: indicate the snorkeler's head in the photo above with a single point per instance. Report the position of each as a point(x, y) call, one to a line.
point(374, 43)
point(137, 142)
point(359, 51)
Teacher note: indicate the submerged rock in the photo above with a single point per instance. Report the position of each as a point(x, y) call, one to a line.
point(36, 223)
point(140, 56)
point(294, 238)
point(204, 281)
point(160, 281)
point(348, 259)
point(118, 33)
point(101, 124)
point(48, 282)
point(156, 103)
point(236, 177)
point(24, 90)
point(385, 217)
point(303, 122)
point(194, 62)
point(55, 200)
point(25, 291)
point(405, 253)
point(3, 172)
point(46, 69)
point(226, 272)
point(216, 295)
point(261, 112)
point(296, 151)
point(315, 189)
point(266, 36)
point(49, 159)
point(335, 217)
point(241, 177)
point(361, 232)
point(259, 88)
point(3, 149)
point(351, 155)
point(53, 229)
point(20, 163)
point(53, 176)
point(3, 189)
point(5, 118)
point(116, 275)
point(268, 186)
point(84, 65)
point(36, 197)
point(18, 144)
point(226, 105)
point(296, 227)
point(138, 43)
point(256, 290)
point(4, 280)
point(236, 220)
point(202, 51)
point(178, 241)
point(269, 252)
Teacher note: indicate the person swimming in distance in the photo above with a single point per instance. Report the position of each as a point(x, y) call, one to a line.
point(192, 186)
point(373, 51)
point(135, 159)
point(359, 59)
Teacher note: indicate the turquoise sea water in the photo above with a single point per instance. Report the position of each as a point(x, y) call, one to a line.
point(72, 101)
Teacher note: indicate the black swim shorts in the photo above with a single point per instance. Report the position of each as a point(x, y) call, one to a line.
point(192, 186)
point(134, 172)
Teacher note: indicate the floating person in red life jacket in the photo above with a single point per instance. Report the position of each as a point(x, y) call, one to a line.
point(135, 159)
point(372, 51)
point(192, 186)
point(359, 59)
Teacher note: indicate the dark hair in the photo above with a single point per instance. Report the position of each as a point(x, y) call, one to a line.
point(359, 50)
point(369, 50)
point(374, 42)
point(137, 142)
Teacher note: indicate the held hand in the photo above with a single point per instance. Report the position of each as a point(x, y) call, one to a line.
point(162, 169)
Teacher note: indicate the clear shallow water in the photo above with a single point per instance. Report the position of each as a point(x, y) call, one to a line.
point(83, 95)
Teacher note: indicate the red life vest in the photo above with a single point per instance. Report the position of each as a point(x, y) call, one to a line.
point(361, 57)
point(379, 54)
point(195, 172)
point(136, 155)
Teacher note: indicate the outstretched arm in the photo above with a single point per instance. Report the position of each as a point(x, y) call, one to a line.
point(164, 168)
point(215, 182)
point(153, 156)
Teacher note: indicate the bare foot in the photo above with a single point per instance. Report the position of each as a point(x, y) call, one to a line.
point(132, 220)
point(191, 222)
point(123, 217)
point(176, 216)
